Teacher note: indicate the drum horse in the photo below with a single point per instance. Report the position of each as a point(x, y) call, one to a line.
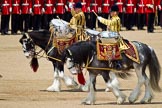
point(44, 40)
point(85, 54)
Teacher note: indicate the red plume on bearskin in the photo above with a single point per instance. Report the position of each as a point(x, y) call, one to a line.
point(34, 64)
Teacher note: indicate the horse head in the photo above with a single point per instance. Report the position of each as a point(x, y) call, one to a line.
point(60, 27)
point(27, 45)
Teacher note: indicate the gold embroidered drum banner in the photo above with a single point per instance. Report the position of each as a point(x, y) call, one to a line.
point(108, 51)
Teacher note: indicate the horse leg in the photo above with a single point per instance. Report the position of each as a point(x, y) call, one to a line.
point(90, 99)
point(113, 79)
point(113, 85)
point(141, 80)
point(69, 81)
point(148, 92)
point(56, 85)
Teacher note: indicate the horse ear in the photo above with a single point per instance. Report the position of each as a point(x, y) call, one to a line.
point(69, 52)
point(23, 37)
point(65, 53)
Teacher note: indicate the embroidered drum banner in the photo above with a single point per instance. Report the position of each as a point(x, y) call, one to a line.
point(108, 51)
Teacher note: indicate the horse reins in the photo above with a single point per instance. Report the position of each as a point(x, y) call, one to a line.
point(46, 56)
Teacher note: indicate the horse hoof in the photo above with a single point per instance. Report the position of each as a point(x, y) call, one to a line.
point(87, 103)
point(107, 90)
point(84, 88)
point(52, 89)
point(120, 100)
point(146, 101)
point(131, 100)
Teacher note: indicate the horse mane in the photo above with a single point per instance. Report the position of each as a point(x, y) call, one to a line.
point(40, 37)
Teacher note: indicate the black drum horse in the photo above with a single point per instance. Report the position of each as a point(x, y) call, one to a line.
point(29, 42)
point(85, 54)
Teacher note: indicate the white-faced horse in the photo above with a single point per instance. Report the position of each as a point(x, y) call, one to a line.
point(85, 54)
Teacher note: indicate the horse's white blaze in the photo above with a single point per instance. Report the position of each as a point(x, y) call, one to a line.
point(71, 67)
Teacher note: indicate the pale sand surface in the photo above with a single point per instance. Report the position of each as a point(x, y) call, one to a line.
point(22, 88)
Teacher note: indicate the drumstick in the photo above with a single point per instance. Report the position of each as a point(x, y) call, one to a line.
point(95, 13)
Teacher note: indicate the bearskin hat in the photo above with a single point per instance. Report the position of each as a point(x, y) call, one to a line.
point(114, 8)
point(78, 5)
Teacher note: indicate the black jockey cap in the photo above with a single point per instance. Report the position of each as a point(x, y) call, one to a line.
point(78, 5)
point(114, 8)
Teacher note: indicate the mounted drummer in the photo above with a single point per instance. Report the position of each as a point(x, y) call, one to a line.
point(114, 26)
point(77, 22)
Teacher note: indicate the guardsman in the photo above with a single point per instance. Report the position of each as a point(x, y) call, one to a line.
point(93, 7)
point(159, 7)
point(140, 14)
point(15, 19)
point(130, 9)
point(120, 4)
point(48, 11)
point(78, 21)
point(150, 15)
point(26, 11)
point(6, 8)
point(37, 12)
point(60, 9)
point(106, 6)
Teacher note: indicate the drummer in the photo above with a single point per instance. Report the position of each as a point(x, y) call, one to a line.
point(113, 24)
point(77, 22)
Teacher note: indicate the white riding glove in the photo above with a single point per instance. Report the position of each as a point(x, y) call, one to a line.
point(70, 5)
point(99, 18)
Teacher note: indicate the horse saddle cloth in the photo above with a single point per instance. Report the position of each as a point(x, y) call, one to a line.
point(108, 51)
point(131, 52)
point(62, 43)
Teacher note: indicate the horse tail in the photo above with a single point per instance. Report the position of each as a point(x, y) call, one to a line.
point(155, 71)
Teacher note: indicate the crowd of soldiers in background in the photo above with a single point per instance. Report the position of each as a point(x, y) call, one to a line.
point(36, 14)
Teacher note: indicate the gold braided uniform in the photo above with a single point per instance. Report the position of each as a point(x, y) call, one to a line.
point(113, 24)
point(114, 27)
point(78, 22)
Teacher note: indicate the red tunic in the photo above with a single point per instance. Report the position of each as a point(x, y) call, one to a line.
point(106, 5)
point(149, 6)
point(60, 7)
point(37, 7)
point(26, 5)
point(16, 7)
point(6, 5)
point(94, 6)
point(140, 6)
point(49, 5)
point(120, 3)
point(130, 5)
point(84, 5)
